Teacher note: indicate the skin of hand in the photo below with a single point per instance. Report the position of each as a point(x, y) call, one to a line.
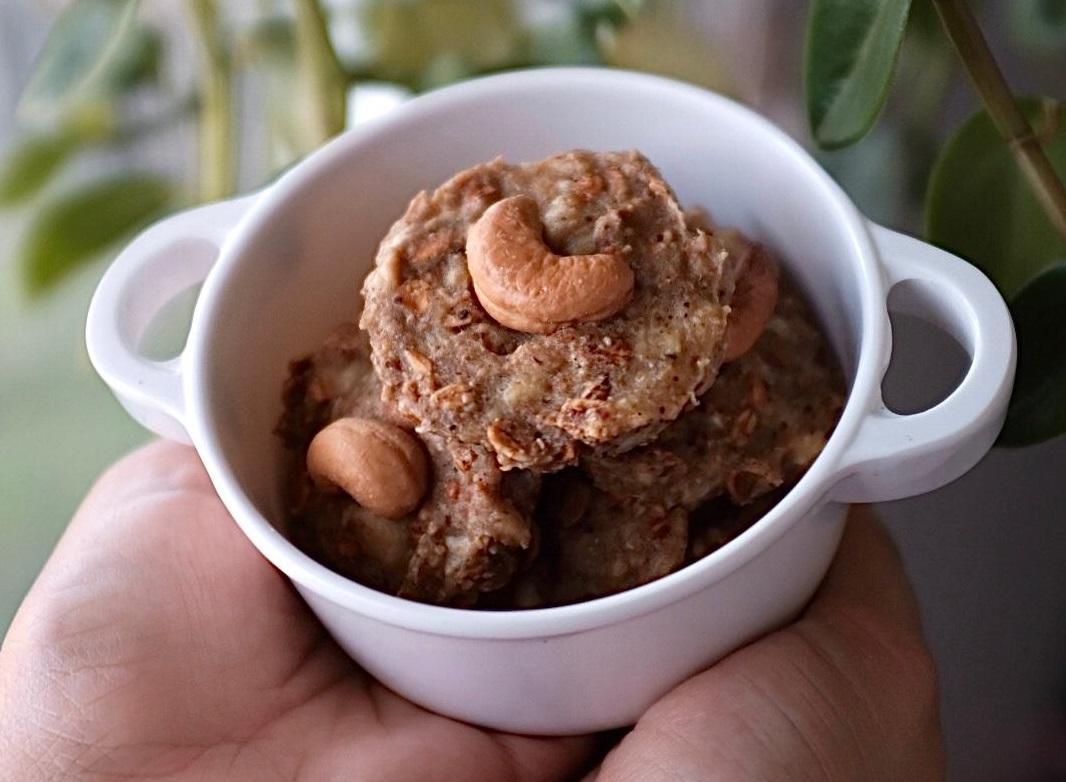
point(158, 644)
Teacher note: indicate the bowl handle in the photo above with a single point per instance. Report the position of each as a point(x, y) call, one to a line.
point(167, 259)
point(895, 456)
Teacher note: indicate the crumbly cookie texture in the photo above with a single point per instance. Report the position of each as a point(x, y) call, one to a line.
point(540, 400)
point(617, 522)
point(595, 444)
point(469, 535)
point(518, 539)
point(761, 425)
point(613, 545)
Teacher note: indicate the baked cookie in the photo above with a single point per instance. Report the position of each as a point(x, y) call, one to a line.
point(582, 389)
point(619, 521)
point(760, 426)
point(537, 400)
point(469, 533)
point(593, 544)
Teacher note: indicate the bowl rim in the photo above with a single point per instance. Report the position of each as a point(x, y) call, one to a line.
point(310, 575)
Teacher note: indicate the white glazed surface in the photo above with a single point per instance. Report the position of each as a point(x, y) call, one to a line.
point(290, 268)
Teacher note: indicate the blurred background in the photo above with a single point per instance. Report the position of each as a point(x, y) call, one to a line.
point(88, 157)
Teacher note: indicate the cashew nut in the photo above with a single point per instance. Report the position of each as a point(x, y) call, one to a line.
point(381, 466)
point(753, 302)
point(525, 286)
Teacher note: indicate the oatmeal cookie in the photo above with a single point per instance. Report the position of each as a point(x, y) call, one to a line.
point(593, 544)
point(469, 535)
point(762, 424)
point(538, 400)
point(615, 522)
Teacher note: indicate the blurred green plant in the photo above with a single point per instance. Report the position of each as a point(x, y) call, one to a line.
point(101, 82)
point(995, 195)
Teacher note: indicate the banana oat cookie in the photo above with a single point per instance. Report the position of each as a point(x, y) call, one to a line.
point(516, 540)
point(469, 535)
point(561, 387)
point(760, 426)
point(616, 522)
point(538, 400)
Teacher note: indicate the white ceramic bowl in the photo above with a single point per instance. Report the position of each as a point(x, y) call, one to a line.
point(280, 268)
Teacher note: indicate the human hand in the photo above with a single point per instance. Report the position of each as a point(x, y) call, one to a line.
point(157, 643)
point(847, 692)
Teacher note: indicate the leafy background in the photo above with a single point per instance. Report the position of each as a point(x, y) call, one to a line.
point(986, 553)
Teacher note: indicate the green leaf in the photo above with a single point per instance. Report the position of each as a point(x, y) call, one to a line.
point(851, 52)
point(31, 164)
point(614, 13)
point(631, 8)
point(75, 227)
point(923, 21)
point(569, 40)
point(137, 61)
point(1038, 404)
point(88, 41)
point(980, 206)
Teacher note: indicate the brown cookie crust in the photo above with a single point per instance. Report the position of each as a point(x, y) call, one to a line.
point(535, 401)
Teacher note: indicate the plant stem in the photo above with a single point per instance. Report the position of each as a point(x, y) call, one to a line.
point(322, 74)
point(218, 154)
point(1010, 121)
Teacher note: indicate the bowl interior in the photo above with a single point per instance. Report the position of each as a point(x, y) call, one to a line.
point(294, 268)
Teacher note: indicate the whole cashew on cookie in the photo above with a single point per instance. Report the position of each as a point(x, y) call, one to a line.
point(525, 286)
point(753, 303)
point(381, 466)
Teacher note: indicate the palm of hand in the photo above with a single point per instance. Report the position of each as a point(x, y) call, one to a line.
point(158, 644)
point(167, 647)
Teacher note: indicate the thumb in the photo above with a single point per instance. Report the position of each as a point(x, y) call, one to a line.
point(847, 692)
point(867, 575)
